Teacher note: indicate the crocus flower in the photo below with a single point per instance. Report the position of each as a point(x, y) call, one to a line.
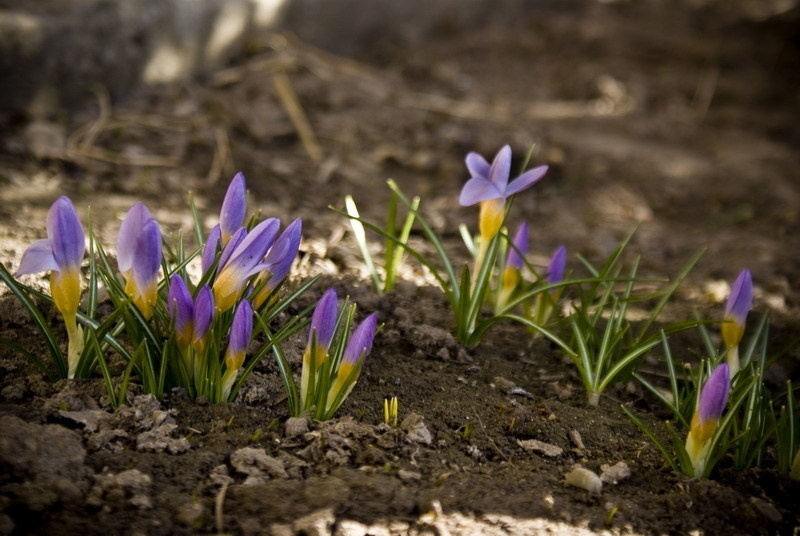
point(244, 261)
point(181, 310)
point(61, 253)
point(558, 263)
point(234, 206)
point(358, 347)
point(279, 261)
point(210, 248)
point(514, 263)
point(490, 187)
point(241, 330)
point(320, 335)
point(139, 257)
point(202, 317)
point(710, 405)
point(739, 303)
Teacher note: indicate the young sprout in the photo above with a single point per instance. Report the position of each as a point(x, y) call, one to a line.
point(515, 262)
point(739, 303)
point(709, 409)
point(61, 253)
point(139, 257)
point(390, 408)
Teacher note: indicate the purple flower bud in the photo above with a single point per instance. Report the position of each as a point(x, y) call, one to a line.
point(64, 247)
point(129, 232)
point(181, 309)
point(148, 255)
point(714, 394)
point(235, 239)
point(323, 320)
point(741, 298)
point(360, 342)
point(515, 257)
point(282, 253)
point(210, 249)
point(234, 207)
point(241, 328)
point(203, 313)
point(558, 263)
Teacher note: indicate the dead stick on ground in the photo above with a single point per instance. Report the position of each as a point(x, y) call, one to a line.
point(298, 117)
point(219, 503)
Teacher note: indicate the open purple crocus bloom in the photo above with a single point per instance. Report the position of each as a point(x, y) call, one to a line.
point(490, 186)
point(61, 253)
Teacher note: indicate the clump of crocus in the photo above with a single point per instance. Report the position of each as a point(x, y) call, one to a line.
point(515, 262)
point(709, 409)
point(739, 302)
point(61, 253)
point(139, 257)
point(332, 361)
point(489, 185)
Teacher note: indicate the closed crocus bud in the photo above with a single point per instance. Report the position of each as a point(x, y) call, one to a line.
point(710, 406)
point(234, 206)
point(202, 318)
point(320, 335)
point(558, 263)
point(358, 347)
point(139, 257)
point(210, 249)
point(181, 310)
point(241, 330)
point(515, 261)
point(736, 309)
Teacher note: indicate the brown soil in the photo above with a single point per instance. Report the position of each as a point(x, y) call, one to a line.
point(682, 120)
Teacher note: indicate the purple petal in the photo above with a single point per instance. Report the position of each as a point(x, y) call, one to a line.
point(323, 320)
point(210, 248)
point(526, 180)
point(283, 251)
point(741, 297)
point(477, 166)
point(477, 189)
point(37, 258)
point(65, 233)
point(714, 394)
point(501, 169)
point(148, 254)
point(203, 312)
point(128, 236)
point(230, 247)
point(360, 342)
point(241, 327)
point(234, 207)
point(181, 308)
point(255, 245)
point(515, 254)
point(558, 263)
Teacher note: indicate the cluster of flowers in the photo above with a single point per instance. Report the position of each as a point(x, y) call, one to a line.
point(242, 268)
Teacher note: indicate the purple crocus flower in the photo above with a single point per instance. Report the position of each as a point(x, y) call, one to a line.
point(241, 330)
point(710, 406)
point(139, 257)
point(61, 253)
point(210, 248)
point(233, 209)
point(558, 263)
point(489, 185)
point(203, 315)
point(181, 310)
point(323, 320)
point(279, 260)
point(358, 347)
point(739, 303)
point(244, 261)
